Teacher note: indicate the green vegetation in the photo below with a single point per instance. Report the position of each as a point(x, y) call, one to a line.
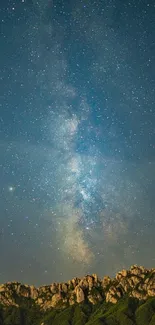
point(128, 311)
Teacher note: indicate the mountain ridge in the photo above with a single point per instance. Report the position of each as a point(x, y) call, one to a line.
point(126, 299)
point(137, 282)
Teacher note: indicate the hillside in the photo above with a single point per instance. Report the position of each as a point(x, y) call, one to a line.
point(129, 299)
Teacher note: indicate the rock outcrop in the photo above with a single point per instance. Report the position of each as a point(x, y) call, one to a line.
point(137, 282)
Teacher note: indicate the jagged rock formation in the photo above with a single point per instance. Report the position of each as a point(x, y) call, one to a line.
point(137, 282)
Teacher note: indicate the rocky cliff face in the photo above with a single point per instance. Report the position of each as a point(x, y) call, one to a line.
point(137, 282)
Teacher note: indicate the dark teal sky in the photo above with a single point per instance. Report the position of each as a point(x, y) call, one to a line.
point(77, 138)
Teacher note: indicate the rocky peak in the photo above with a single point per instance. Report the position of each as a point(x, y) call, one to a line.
point(137, 282)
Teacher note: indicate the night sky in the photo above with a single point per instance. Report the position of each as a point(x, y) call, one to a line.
point(77, 138)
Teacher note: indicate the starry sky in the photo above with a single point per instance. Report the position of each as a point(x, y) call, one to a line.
point(77, 138)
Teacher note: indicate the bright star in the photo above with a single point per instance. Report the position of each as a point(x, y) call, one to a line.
point(11, 188)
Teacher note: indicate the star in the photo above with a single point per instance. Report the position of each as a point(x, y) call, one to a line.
point(11, 189)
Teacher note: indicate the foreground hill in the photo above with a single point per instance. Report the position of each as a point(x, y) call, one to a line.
point(127, 299)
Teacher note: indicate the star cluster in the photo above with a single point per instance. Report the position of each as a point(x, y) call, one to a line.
point(76, 137)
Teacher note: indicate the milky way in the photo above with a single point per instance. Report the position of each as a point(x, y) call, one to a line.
point(76, 138)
